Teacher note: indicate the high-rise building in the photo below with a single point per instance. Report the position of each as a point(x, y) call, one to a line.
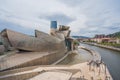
point(54, 24)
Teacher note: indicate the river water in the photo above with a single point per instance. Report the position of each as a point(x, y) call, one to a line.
point(111, 59)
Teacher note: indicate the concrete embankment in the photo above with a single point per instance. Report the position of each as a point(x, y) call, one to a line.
point(97, 60)
point(77, 72)
point(65, 56)
point(19, 60)
point(71, 72)
point(104, 46)
point(96, 56)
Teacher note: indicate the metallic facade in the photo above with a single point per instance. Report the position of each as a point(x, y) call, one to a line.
point(42, 42)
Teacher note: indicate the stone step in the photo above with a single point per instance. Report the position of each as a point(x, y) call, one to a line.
point(53, 75)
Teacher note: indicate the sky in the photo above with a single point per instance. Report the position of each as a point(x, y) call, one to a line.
point(85, 17)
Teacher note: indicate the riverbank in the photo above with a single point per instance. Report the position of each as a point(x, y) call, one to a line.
point(103, 46)
point(64, 57)
point(96, 60)
point(73, 72)
point(96, 56)
point(70, 72)
point(110, 57)
point(79, 56)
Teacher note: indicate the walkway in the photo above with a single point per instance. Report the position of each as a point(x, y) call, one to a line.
point(20, 58)
point(78, 71)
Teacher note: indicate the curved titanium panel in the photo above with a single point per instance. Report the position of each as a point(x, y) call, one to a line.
point(42, 42)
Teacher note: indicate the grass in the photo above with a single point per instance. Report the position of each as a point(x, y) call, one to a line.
point(111, 44)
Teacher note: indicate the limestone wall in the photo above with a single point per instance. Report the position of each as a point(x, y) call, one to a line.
point(2, 49)
point(44, 60)
point(21, 76)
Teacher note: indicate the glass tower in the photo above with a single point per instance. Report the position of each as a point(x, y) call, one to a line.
point(54, 24)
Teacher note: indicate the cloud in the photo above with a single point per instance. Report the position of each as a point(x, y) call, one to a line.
point(73, 2)
point(61, 18)
point(15, 27)
point(86, 17)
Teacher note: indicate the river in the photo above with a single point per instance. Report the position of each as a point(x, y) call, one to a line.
point(111, 59)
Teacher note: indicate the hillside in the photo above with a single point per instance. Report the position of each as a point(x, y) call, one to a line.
point(116, 35)
point(80, 37)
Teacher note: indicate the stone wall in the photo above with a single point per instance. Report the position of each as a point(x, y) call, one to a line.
point(21, 76)
point(45, 60)
point(2, 49)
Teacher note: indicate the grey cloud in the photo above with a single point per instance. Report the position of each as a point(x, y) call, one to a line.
point(72, 2)
point(115, 26)
point(16, 27)
point(61, 18)
point(99, 16)
point(95, 23)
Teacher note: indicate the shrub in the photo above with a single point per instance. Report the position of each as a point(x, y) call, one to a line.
point(1, 43)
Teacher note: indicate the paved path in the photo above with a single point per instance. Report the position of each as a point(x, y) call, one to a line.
point(20, 58)
point(53, 75)
point(74, 72)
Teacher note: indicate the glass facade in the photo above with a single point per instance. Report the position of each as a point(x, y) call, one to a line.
point(54, 24)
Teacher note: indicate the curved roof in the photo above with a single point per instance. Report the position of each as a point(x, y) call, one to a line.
point(42, 42)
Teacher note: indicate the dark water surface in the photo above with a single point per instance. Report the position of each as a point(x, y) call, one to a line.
point(110, 57)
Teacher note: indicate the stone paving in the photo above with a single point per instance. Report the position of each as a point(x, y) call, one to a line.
point(80, 71)
point(20, 58)
point(74, 72)
point(53, 75)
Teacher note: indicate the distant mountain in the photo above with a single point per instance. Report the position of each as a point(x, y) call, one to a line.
point(80, 37)
point(115, 35)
